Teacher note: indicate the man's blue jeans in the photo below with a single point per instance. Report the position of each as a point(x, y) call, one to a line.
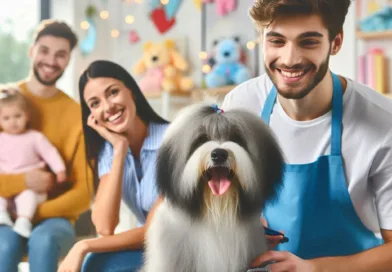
point(119, 261)
point(49, 240)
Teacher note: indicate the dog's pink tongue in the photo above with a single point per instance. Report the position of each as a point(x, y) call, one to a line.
point(219, 183)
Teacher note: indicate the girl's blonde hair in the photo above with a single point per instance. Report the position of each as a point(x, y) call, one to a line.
point(9, 94)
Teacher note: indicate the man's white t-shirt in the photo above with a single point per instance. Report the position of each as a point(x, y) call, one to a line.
point(366, 142)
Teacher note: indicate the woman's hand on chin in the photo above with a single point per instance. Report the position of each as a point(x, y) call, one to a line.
point(74, 259)
point(118, 141)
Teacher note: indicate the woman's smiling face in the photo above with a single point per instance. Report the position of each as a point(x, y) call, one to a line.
point(111, 103)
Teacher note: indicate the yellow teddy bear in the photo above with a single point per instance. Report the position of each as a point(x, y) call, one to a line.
point(162, 67)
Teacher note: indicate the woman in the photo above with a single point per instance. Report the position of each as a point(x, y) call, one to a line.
point(122, 135)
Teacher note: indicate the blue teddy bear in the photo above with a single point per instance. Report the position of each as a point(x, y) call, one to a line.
point(227, 69)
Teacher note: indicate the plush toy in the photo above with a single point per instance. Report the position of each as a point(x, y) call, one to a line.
point(162, 66)
point(228, 68)
point(223, 7)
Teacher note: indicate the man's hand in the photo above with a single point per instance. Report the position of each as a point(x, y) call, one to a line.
point(284, 262)
point(40, 181)
point(273, 241)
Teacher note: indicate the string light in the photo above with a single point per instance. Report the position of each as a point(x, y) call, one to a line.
point(164, 2)
point(251, 45)
point(206, 68)
point(104, 14)
point(115, 33)
point(84, 25)
point(203, 55)
point(129, 19)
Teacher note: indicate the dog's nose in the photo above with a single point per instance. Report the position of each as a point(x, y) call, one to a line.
point(154, 58)
point(226, 54)
point(219, 155)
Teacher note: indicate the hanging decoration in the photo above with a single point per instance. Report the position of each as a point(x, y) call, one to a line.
point(163, 12)
point(133, 37)
point(161, 22)
point(154, 4)
point(87, 45)
point(223, 7)
point(171, 8)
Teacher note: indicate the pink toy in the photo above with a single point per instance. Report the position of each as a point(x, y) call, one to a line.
point(223, 7)
point(133, 37)
point(152, 81)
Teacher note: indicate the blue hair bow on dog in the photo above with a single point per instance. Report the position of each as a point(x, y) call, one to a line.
point(217, 109)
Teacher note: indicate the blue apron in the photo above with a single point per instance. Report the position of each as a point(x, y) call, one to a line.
point(314, 208)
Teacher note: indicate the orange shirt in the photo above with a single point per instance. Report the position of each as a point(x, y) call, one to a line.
point(59, 119)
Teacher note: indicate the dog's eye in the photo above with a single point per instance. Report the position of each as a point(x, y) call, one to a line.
point(238, 139)
point(201, 139)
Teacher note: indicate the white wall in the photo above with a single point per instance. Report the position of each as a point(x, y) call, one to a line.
point(344, 63)
point(73, 12)
point(65, 10)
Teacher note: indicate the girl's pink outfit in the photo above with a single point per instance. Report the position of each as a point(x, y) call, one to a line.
point(21, 153)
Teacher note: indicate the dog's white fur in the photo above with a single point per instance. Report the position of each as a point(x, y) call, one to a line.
point(175, 243)
point(217, 238)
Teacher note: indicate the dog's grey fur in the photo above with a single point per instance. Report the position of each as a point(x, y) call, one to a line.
point(194, 230)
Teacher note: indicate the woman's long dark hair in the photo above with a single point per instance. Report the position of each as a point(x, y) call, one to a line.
point(93, 141)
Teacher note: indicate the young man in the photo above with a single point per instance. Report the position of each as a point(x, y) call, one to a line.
point(336, 135)
point(58, 117)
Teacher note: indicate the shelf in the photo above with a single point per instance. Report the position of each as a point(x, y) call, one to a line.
point(389, 95)
point(216, 91)
point(158, 94)
point(203, 93)
point(380, 35)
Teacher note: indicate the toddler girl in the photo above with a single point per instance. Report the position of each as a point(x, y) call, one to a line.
point(23, 150)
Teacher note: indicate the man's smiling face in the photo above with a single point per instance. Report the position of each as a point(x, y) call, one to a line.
point(296, 54)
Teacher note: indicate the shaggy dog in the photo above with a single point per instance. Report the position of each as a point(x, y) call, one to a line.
point(215, 171)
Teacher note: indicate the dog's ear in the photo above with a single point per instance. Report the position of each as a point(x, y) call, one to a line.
point(273, 165)
point(164, 169)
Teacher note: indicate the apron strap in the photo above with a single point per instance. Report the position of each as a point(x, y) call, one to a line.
point(337, 116)
point(269, 105)
point(337, 113)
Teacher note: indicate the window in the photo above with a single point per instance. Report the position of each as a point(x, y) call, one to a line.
point(18, 20)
